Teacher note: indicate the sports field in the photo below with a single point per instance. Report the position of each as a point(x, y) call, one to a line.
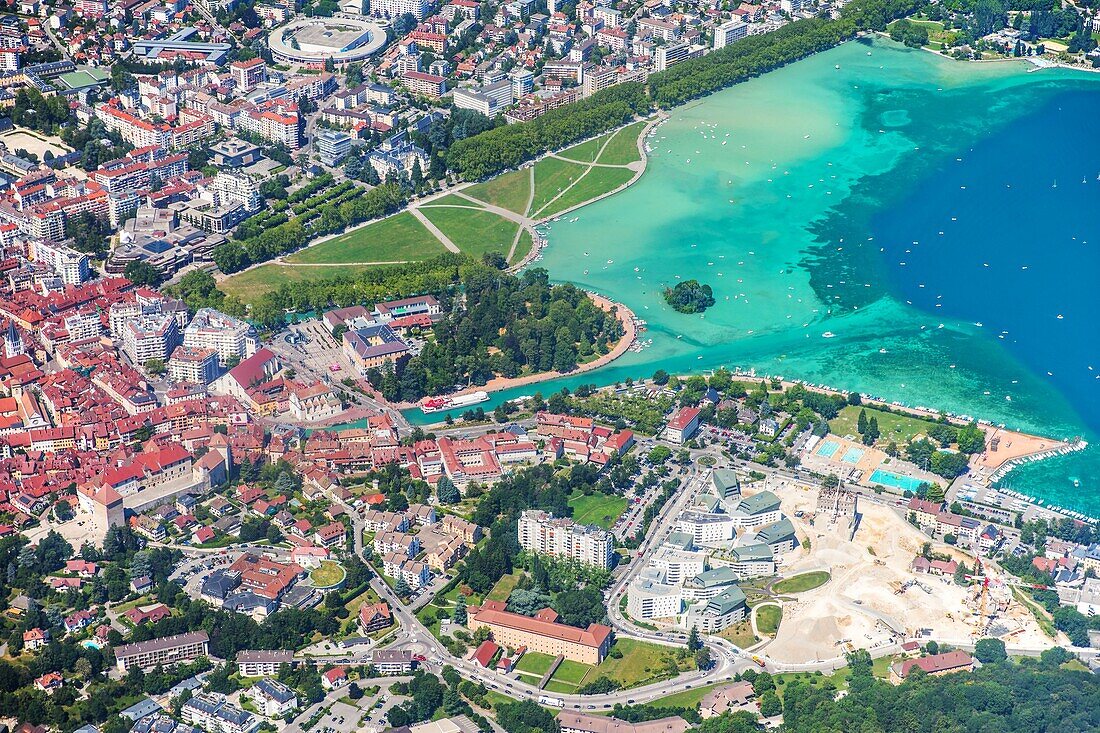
point(599, 509)
point(83, 78)
point(400, 238)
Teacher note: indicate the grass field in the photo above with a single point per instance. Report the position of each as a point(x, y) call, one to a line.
point(802, 583)
point(641, 662)
point(509, 191)
point(474, 231)
point(740, 634)
point(598, 509)
point(585, 152)
point(327, 573)
point(535, 663)
point(571, 672)
point(451, 200)
point(551, 177)
point(623, 147)
point(523, 246)
point(397, 238)
point(768, 618)
point(685, 699)
point(503, 588)
point(598, 182)
point(251, 284)
point(891, 426)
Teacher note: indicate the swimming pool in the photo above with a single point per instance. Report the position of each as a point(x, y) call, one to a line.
point(852, 455)
point(905, 483)
point(828, 448)
point(89, 644)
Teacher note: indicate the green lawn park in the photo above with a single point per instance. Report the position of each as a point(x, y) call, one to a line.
point(597, 182)
point(599, 509)
point(327, 573)
point(891, 426)
point(552, 176)
point(399, 238)
point(623, 148)
point(474, 231)
point(251, 284)
point(768, 618)
point(509, 191)
point(504, 587)
point(586, 152)
point(802, 583)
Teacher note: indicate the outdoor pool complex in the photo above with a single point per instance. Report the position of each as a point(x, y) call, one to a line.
point(885, 478)
point(852, 455)
point(828, 449)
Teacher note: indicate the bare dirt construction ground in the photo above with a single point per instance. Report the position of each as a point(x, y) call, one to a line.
point(859, 605)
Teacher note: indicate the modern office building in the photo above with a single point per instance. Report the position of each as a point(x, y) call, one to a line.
point(540, 532)
point(333, 146)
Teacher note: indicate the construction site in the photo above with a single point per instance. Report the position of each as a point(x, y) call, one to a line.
point(875, 598)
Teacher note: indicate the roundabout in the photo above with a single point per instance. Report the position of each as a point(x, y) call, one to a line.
point(315, 40)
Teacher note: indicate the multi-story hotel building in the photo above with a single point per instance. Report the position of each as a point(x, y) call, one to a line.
point(730, 31)
point(541, 633)
point(540, 532)
point(166, 650)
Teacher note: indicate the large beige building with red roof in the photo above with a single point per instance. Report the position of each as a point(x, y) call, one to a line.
point(541, 633)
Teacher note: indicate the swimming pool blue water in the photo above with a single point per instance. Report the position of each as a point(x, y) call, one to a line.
point(852, 455)
point(905, 483)
point(89, 644)
point(828, 448)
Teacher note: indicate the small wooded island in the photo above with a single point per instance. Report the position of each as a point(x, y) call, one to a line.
point(690, 296)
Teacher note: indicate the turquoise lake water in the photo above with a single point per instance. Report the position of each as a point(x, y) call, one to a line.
point(933, 217)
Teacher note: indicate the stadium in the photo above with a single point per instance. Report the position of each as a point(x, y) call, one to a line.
point(313, 40)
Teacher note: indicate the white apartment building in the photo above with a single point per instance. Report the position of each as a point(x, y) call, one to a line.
point(540, 532)
point(195, 366)
point(394, 8)
point(211, 712)
point(70, 265)
point(705, 528)
point(148, 337)
point(489, 100)
point(229, 336)
point(666, 56)
point(676, 565)
point(730, 31)
point(272, 698)
point(84, 325)
point(231, 188)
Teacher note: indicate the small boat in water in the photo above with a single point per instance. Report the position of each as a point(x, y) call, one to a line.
point(828, 335)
